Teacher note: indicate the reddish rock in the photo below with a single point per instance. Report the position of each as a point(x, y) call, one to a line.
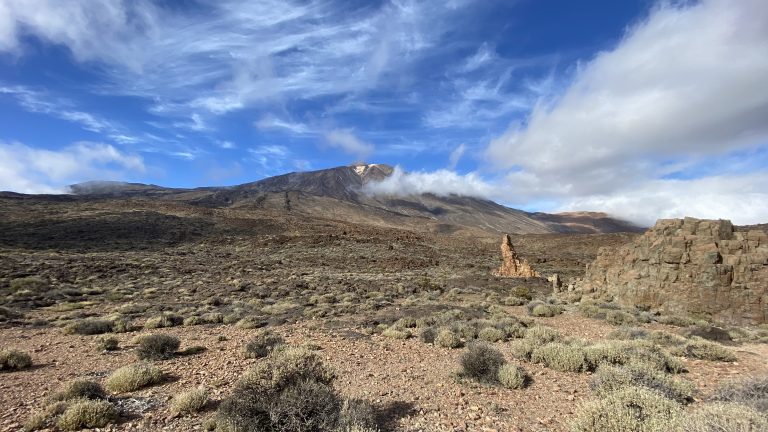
point(688, 266)
point(512, 266)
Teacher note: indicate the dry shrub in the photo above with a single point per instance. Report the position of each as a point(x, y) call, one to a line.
point(448, 339)
point(163, 320)
point(491, 334)
point(91, 326)
point(721, 417)
point(11, 360)
point(87, 413)
point(608, 379)
point(157, 346)
point(546, 310)
point(561, 357)
point(705, 350)
point(262, 344)
point(189, 402)
point(631, 409)
point(78, 389)
point(513, 376)
point(428, 335)
point(481, 362)
point(522, 349)
point(752, 392)
point(540, 335)
point(290, 391)
point(357, 415)
point(134, 377)
point(618, 317)
point(107, 343)
point(395, 333)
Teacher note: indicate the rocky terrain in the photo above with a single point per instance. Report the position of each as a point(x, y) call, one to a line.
point(690, 266)
point(396, 311)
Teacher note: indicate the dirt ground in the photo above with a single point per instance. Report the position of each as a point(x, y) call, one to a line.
point(323, 281)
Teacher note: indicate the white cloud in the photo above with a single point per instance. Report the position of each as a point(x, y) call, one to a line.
point(456, 155)
point(687, 83)
point(441, 183)
point(271, 122)
point(225, 55)
point(33, 170)
point(346, 140)
point(485, 54)
point(740, 198)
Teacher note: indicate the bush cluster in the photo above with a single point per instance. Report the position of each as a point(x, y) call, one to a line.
point(157, 346)
point(262, 344)
point(11, 360)
point(134, 377)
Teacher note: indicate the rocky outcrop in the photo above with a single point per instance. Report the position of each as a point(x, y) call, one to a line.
point(512, 266)
point(688, 266)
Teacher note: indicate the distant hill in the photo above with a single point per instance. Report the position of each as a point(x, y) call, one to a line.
point(337, 193)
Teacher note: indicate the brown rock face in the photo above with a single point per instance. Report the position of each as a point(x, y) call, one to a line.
point(689, 266)
point(512, 266)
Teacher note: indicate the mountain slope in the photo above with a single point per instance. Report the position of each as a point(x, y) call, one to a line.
point(338, 193)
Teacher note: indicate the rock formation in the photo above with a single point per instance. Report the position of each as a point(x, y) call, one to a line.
point(688, 266)
point(512, 266)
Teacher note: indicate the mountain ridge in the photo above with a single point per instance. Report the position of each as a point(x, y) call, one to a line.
point(338, 193)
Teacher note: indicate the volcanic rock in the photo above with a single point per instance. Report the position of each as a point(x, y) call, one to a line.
point(688, 266)
point(512, 266)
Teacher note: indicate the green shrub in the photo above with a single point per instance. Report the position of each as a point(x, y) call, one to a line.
point(91, 326)
point(609, 378)
point(720, 417)
point(12, 359)
point(512, 376)
point(631, 409)
point(134, 377)
point(107, 343)
point(357, 415)
point(394, 333)
point(163, 321)
point(290, 391)
point(540, 335)
point(447, 339)
point(705, 350)
point(157, 346)
point(618, 317)
point(428, 335)
point(78, 389)
point(561, 357)
point(251, 322)
point(522, 292)
point(491, 334)
point(466, 330)
point(752, 392)
point(86, 413)
point(522, 349)
point(262, 344)
point(515, 301)
point(481, 362)
point(189, 402)
point(608, 352)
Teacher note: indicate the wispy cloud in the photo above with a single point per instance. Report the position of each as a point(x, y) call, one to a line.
point(34, 170)
point(348, 142)
point(455, 156)
point(269, 121)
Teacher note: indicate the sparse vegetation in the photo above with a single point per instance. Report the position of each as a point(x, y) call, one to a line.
point(11, 360)
point(720, 417)
point(608, 379)
point(513, 376)
point(78, 389)
point(491, 334)
point(752, 392)
point(262, 344)
point(87, 413)
point(107, 343)
point(448, 339)
point(163, 320)
point(134, 377)
point(561, 357)
point(91, 326)
point(630, 409)
point(481, 362)
point(705, 350)
point(395, 333)
point(189, 402)
point(157, 346)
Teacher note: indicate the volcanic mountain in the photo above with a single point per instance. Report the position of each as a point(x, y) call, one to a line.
point(339, 193)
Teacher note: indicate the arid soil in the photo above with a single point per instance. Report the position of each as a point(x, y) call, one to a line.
point(320, 281)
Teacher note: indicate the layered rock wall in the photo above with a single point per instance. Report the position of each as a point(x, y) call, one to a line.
point(688, 266)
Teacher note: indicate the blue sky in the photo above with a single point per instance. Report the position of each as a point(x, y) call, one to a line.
point(638, 108)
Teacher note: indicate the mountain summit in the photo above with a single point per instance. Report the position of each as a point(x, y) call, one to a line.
point(338, 193)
